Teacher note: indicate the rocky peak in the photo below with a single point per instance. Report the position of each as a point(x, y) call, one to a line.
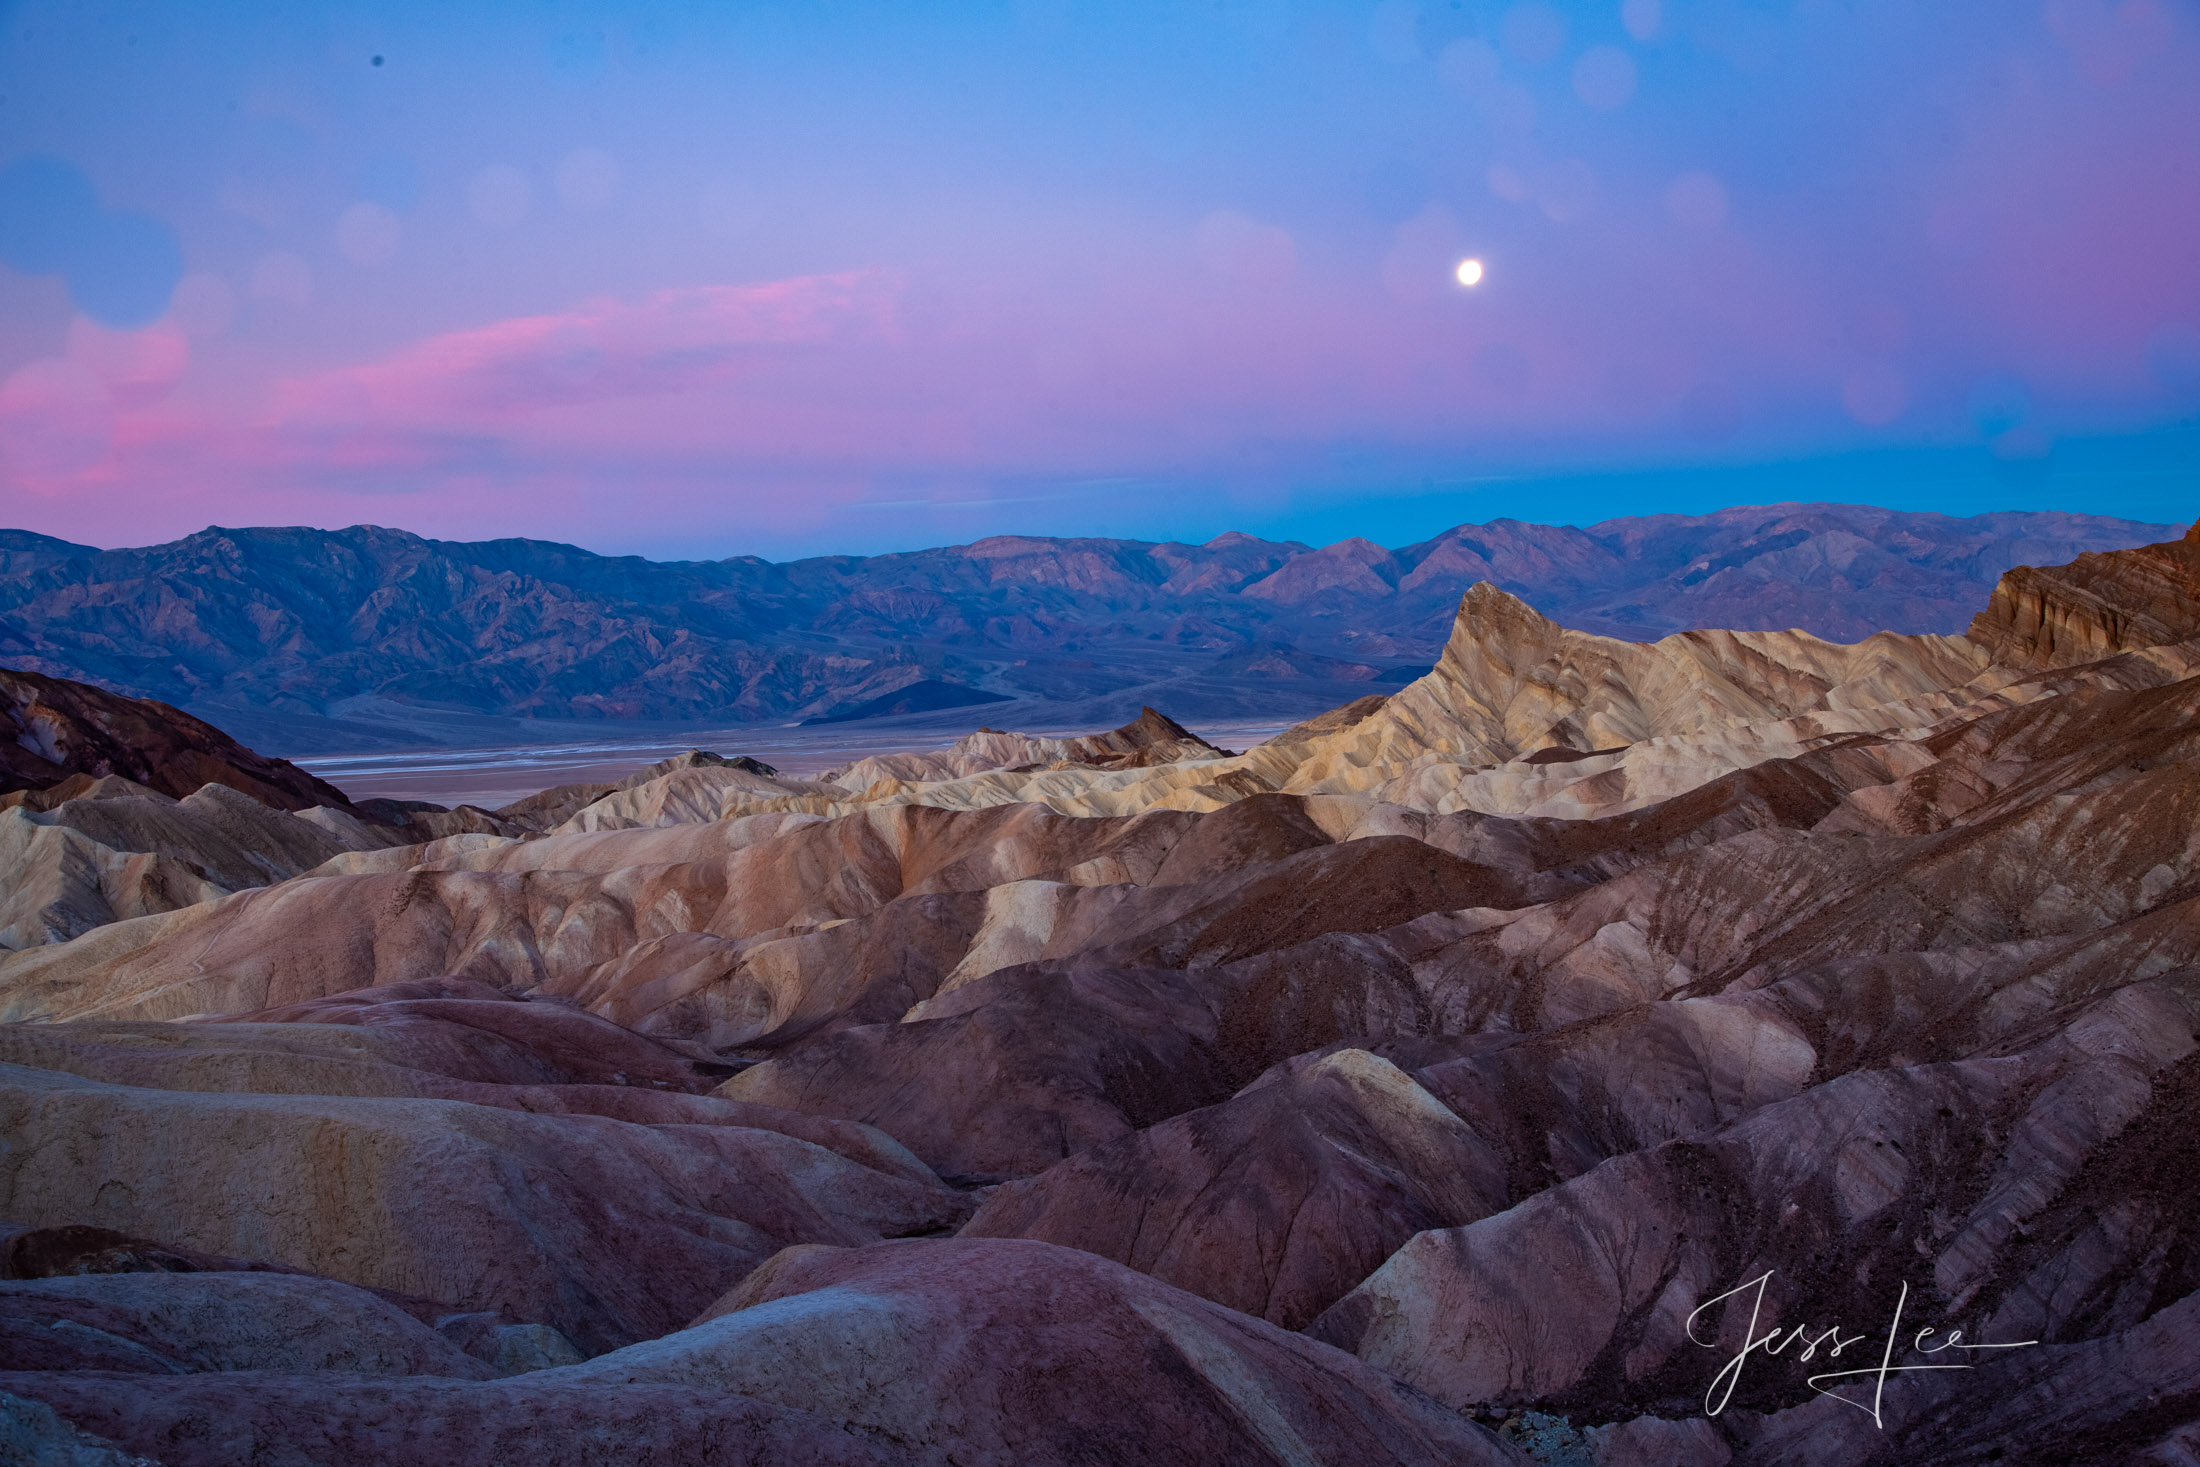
point(1151, 738)
point(1353, 567)
point(1495, 623)
point(1151, 727)
point(1511, 682)
point(2095, 607)
point(695, 759)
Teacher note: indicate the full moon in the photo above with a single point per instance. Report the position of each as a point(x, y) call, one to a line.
point(1469, 272)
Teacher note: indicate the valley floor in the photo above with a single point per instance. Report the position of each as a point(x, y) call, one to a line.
point(490, 776)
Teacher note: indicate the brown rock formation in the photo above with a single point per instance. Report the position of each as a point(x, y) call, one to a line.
point(499, 1154)
point(1275, 1202)
point(964, 1339)
point(215, 1420)
point(1151, 738)
point(86, 852)
point(2094, 607)
point(1961, 1174)
point(51, 729)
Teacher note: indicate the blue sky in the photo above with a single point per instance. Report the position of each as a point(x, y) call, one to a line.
point(802, 278)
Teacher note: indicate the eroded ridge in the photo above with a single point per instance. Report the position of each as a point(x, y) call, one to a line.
point(1402, 1089)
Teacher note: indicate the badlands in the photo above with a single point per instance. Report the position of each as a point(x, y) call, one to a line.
point(1482, 1073)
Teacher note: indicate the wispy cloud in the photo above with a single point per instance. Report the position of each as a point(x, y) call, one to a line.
point(667, 344)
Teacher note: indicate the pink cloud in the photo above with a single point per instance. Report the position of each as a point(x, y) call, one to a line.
point(854, 385)
point(670, 342)
point(2049, 240)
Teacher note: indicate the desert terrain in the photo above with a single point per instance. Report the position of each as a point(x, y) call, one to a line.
point(1522, 1062)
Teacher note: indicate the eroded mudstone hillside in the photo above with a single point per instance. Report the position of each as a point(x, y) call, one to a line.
point(1400, 1090)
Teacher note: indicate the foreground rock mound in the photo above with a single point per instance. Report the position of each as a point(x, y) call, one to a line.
point(341, 1420)
point(175, 1323)
point(499, 1155)
point(994, 1354)
point(1015, 1352)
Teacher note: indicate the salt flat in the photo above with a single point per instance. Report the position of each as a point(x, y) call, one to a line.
point(495, 775)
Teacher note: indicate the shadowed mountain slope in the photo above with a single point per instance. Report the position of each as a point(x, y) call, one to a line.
point(51, 729)
point(292, 628)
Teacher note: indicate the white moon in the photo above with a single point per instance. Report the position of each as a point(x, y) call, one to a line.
point(1469, 273)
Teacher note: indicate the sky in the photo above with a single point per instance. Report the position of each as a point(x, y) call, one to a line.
point(691, 280)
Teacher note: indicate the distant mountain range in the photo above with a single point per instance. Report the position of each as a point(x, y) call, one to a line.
point(314, 639)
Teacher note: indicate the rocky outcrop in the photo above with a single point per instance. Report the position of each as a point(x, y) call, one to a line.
point(692, 793)
point(2094, 607)
point(174, 1323)
point(113, 807)
point(336, 1420)
point(1150, 739)
point(1938, 1171)
point(1275, 1202)
point(87, 852)
point(52, 729)
point(280, 1317)
point(548, 809)
point(31, 1432)
point(1511, 683)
